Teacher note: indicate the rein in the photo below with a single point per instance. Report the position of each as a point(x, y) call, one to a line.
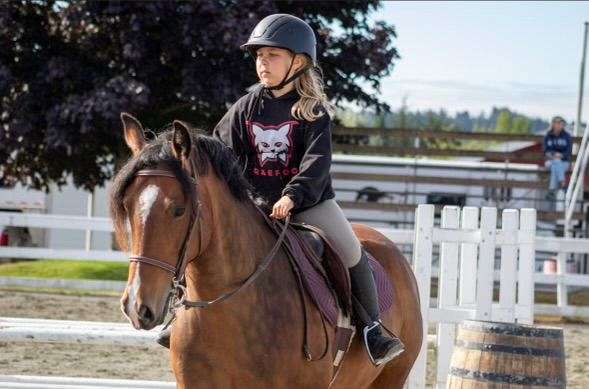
point(178, 272)
point(261, 267)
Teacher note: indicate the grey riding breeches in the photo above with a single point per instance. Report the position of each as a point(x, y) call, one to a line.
point(329, 217)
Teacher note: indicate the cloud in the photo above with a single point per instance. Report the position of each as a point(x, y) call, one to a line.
point(536, 99)
point(500, 88)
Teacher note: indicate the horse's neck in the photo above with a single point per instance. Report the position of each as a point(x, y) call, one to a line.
point(238, 241)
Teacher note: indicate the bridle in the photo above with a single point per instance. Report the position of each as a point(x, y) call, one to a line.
point(178, 272)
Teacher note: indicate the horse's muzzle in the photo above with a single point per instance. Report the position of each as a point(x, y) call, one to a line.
point(141, 316)
point(146, 317)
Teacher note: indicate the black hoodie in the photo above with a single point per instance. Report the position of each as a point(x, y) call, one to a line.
point(280, 154)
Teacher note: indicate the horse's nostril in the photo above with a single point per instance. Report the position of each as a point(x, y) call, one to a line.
point(145, 314)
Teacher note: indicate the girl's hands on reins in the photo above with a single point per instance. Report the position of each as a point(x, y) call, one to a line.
point(282, 208)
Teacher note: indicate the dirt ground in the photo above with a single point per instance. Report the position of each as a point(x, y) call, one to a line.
point(76, 360)
point(152, 364)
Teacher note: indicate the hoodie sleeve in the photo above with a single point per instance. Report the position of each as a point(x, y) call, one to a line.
point(307, 187)
point(231, 130)
point(228, 130)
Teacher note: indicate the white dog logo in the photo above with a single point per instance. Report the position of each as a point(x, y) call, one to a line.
point(272, 144)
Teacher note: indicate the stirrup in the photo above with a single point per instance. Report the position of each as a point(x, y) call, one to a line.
point(392, 353)
point(163, 338)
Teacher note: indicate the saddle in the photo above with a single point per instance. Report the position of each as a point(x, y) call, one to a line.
point(324, 273)
point(320, 271)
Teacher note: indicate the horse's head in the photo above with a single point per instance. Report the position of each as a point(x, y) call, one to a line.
point(154, 209)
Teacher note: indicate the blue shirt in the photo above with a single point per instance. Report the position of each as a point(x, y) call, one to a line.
point(561, 143)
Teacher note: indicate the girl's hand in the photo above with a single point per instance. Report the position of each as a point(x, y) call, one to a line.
point(282, 208)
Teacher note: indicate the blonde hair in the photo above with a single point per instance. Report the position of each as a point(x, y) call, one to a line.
point(312, 97)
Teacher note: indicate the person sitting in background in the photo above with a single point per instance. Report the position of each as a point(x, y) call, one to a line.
point(557, 150)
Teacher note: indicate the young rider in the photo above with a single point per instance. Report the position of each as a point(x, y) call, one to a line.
point(280, 132)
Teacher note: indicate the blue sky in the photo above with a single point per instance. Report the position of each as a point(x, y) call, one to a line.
point(475, 55)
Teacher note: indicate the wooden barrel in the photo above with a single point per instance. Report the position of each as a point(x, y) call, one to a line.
point(505, 355)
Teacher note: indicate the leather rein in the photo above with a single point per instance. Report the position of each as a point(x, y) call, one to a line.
point(178, 272)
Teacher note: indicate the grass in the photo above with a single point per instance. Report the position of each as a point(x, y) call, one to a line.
point(63, 269)
point(64, 292)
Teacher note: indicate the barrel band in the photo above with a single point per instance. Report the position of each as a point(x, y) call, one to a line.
point(514, 379)
point(500, 348)
point(511, 329)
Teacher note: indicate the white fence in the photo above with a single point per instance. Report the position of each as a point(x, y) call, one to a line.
point(467, 265)
point(52, 382)
point(66, 331)
point(75, 332)
point(562, 280)
point(64, 222)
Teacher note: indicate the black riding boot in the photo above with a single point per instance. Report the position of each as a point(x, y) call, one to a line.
point(163, 338)
point(380, 346)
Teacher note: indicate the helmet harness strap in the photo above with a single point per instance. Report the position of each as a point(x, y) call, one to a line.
point(285, 81)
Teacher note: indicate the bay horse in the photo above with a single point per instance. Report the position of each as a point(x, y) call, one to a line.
point(182, 197)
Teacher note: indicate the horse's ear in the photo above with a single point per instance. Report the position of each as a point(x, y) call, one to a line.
point(181, 140)
point(133, 133)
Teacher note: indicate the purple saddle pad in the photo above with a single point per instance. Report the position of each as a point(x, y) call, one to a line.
point(318, 287)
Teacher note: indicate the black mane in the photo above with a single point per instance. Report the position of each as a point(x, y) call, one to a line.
point(158, 153)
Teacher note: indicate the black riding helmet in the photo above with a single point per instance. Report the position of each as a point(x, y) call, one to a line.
point(286, 32)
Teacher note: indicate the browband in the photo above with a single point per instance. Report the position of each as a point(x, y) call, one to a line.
point(155, 172)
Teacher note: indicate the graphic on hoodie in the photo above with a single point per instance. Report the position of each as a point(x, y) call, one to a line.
point(273, 143)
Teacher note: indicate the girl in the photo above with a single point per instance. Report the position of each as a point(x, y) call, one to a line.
point(280, 132)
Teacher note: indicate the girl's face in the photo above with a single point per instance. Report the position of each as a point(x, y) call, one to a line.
point(557, 126)
point(272, 63)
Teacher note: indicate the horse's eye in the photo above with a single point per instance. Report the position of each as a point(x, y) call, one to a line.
point(179, 211)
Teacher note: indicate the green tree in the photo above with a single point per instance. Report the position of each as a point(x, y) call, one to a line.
point(68, 68)
point(504, 125)
point(347, 118)
point(521, 125)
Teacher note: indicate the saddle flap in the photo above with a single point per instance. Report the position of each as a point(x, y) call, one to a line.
point(334, 267)
point(314, 277)
point(338, 276)
point(327, 281)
